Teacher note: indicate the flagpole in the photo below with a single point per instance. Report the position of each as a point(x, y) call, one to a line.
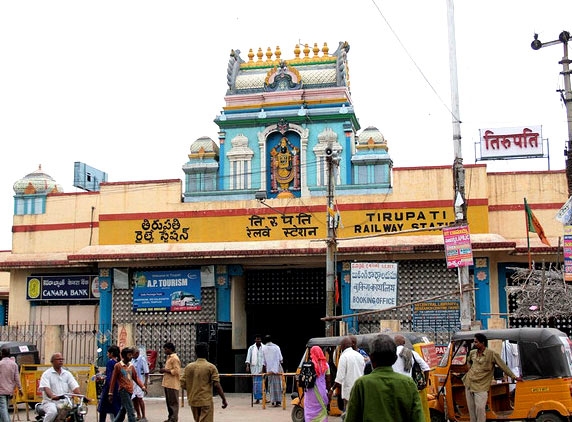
point(527, 235)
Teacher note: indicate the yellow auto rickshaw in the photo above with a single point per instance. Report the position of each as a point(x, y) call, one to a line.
point(541, 356)
point(331, 347)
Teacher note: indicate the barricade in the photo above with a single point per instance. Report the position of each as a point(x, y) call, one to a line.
point(283, 376)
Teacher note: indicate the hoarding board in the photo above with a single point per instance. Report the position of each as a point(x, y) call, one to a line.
point(373, 285)
point(167, 291)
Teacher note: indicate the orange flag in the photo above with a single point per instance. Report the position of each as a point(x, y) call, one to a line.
point(533, 225)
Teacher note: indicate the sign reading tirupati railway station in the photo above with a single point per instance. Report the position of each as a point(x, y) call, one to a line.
point(519, 142)
point(243, 225)
point(373, 285)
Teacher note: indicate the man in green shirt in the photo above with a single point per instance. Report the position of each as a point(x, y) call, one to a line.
point(478, 379)
point(384, 395)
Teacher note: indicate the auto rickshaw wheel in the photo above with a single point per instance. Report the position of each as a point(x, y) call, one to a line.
point(297, 414)
point(436, 416)
point(549, 417)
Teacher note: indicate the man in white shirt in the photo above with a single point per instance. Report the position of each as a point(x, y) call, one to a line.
point(142, 367)
point(54, 383)
point(254, 363)
point(350, 367)
point(272, 357)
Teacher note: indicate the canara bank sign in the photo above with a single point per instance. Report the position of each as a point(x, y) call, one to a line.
point(62, 288)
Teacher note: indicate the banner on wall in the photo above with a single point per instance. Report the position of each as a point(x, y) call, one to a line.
point(568, 253)
point(167, 291)
point(62, 287)
point(373, 285)
point(458, 250)
point(436, 316)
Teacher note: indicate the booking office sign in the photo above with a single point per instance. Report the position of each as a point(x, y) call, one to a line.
point(167, 291)
point(373, 285)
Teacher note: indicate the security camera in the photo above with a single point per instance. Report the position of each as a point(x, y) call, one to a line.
point(536, 44)
point(260, 195)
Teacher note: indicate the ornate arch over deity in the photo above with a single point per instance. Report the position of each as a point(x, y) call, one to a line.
point(284, 168)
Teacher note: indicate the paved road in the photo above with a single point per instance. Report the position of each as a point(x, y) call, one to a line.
point(239, 410)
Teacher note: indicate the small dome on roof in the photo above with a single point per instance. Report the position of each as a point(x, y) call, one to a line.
point(35, 183)
point(204, 145)
point(371, 135)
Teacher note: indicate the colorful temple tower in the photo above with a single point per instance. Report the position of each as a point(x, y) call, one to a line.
point(282, 118)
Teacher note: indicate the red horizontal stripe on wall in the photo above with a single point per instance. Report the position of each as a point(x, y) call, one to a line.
point(262, 210)
point(520, 207)
point(48, 227)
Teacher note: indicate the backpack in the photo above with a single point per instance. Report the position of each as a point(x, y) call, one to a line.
point(418, 375)
point(307, 376)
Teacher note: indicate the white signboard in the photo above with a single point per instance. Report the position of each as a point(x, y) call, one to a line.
point(511, 142)
point(564, 215)
point(373, 285)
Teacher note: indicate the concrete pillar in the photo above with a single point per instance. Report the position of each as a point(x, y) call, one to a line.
point(52, 342)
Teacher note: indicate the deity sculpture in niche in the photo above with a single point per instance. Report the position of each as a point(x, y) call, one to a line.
point(284, 168)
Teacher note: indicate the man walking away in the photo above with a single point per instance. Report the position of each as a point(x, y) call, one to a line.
point(350, 367)
point(9, 380)
point(199, 378)
point(273, 365)
point(171, 382)
point(384, 395)
point(404, 365)
point(405, 358)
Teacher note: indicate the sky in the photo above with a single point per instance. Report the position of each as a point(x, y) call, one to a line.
point(127, 86)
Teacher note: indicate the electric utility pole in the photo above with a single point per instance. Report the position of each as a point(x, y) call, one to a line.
point(460, 204)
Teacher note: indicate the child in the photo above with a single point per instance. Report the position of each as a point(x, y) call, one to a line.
point(124, 374)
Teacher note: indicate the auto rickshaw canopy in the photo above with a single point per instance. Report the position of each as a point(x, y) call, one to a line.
point(543, 352)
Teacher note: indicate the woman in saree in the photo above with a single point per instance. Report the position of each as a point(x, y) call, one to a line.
point(316, 398)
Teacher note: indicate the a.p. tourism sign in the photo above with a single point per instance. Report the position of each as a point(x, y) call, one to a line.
point(167, 291)
point(373, 285)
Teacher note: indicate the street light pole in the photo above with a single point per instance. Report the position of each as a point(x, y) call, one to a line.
point(563, 38)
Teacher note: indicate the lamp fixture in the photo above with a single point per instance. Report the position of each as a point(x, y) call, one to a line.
point(261, 197)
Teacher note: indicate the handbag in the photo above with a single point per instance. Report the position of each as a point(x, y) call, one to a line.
point(418, 375)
